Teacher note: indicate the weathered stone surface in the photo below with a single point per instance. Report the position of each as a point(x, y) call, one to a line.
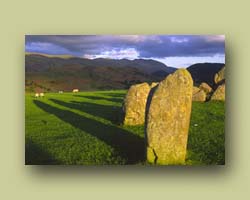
point(220, 76)
point(205, 87)
point(195, 90)
point(219, 93)
point(135, 104)
point(154, 84)
point(168, 119)
point(199, 96)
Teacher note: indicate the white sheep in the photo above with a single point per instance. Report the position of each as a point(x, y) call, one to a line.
point(75, 90)
point(41, 94)
point(37, 95)
point(60, 92)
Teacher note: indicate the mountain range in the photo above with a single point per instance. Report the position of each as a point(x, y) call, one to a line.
point(50, 73)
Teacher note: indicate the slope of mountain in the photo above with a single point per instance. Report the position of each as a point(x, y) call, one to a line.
point(53, 73)
point(46, 73)
point(204, 72)
point(50, 55)
point(41, 61)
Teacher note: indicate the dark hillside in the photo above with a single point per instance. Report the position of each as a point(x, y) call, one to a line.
point(204, 72)
point(45, 73)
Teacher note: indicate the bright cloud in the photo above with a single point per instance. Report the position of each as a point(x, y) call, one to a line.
point(129, 53)
point(181, 62)
point(178, 40)
point(215, 38)
point(139, 38)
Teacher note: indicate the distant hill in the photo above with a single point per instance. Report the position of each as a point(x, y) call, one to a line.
point(60, 72)
point(43, 61)
point(63, 72)
point(50, 55)
point(204, 72)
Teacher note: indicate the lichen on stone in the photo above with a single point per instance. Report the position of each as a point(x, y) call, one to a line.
point(168, 119)
point(135, 104)
point(219, 93)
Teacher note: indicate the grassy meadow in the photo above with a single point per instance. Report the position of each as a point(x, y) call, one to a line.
point(85, 129)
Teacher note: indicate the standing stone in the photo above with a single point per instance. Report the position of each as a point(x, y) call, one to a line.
point(220, 76)
point(219, 93)
point(199, 96)
point(205, 87)
point(153, 84)
point(168, 119)
point(195, 90)
point(135, 104)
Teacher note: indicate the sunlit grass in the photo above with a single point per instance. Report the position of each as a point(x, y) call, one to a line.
point(85, 128)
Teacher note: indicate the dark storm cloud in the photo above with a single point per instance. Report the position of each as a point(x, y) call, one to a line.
point(147, 46)
point(91, 44)
point(171, 46)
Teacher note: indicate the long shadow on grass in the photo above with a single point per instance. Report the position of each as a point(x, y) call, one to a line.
point(108, 112)
point(115, 95)
point(114, 99)
point(121, 97)
point(36, 155)
point(128, 145)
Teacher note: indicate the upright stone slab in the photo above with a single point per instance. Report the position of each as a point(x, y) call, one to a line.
point(168, 119)
point(135, 104)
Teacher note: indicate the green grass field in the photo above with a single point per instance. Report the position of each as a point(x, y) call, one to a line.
point(85, 129)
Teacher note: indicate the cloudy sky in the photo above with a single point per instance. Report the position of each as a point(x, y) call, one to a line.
point(173, 50)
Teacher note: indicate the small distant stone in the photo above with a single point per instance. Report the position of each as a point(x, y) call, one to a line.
point(195, 90)
point(219, 93)
point(220, 76)
point(205, 87)
point(199, 96)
